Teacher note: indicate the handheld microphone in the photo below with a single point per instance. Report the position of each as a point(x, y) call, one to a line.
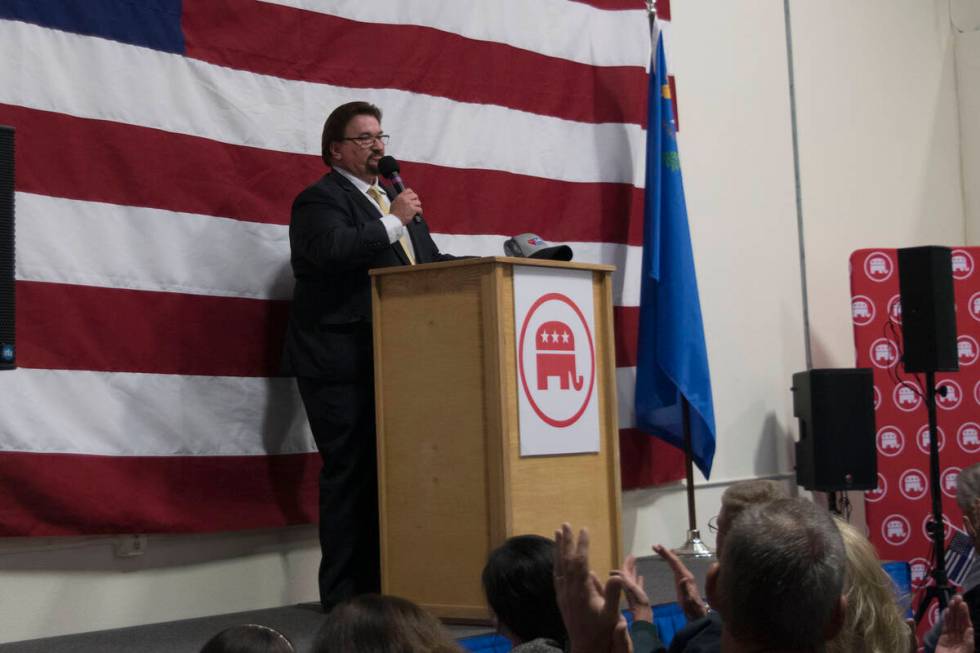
point(388, 167)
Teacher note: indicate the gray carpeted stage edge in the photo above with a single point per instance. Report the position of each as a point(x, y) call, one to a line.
point(299, 622)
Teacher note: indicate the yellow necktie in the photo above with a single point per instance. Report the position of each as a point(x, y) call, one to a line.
point(382, 201)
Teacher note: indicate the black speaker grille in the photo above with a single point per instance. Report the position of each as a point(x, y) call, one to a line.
point(925, 277)
point(836, 450)
point(7, 328)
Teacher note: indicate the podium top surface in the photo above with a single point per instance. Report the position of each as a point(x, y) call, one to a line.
point(493, 260)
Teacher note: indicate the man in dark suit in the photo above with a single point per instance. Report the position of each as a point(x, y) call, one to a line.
point(341, 227)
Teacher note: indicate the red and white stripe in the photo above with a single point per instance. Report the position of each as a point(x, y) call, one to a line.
point(153, 195)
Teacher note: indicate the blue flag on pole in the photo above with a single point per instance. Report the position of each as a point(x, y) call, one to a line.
point(672, 361)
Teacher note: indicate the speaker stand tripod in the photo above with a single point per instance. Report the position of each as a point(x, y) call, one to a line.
point(941, 589)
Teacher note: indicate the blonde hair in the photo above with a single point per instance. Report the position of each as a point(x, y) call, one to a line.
point(873, 621)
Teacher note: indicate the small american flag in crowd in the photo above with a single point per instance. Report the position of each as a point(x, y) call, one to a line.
point(959, 557)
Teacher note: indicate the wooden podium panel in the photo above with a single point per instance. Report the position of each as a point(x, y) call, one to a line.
point(452, 483)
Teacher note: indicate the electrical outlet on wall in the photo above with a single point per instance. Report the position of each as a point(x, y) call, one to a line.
point(128, 546)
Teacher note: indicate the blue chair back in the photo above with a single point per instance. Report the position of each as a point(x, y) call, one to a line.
point(491, 643)
point(901, 575)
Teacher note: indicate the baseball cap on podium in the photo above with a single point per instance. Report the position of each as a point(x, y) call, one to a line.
point(532, 246)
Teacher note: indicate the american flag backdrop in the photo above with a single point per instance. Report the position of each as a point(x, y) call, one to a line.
point(159, 147)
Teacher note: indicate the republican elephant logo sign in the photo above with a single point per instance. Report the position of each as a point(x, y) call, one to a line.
point(557, 360)
point(557, 381)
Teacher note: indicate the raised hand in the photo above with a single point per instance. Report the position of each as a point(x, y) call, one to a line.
point(957, 635)
point(688, 595)
point(636, 596)
point(589, 609)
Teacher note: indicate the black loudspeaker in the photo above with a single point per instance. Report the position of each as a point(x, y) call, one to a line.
point(925, 277)
point(8, 351)
point(836, 410)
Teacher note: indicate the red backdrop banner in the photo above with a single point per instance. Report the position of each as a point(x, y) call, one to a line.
point(899, 508)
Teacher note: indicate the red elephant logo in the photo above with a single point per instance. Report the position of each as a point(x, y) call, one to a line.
point(555, 345)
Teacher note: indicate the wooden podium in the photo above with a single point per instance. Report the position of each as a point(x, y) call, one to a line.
point(452, 482)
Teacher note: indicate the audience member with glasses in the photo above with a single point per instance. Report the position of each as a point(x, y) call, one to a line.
point(702, 634)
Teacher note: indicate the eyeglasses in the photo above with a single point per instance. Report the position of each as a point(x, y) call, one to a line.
point(367, 140)
point(713, 525)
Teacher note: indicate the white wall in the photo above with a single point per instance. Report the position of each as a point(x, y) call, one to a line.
point(879, 150)
point(881, 128)
point(879, 139)
point(965, 18)
point(56, 586)
point(736, 156)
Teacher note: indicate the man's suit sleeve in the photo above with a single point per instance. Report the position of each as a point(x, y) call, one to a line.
point(422, 238)
point(326, 233)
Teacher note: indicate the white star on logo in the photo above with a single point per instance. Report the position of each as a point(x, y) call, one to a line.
point(564, 336)
point(554, 336)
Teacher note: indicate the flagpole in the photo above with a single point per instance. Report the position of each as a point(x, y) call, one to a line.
point(692, 517)
point(693, 547)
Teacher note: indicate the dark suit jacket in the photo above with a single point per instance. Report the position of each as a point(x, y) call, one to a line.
point(699, 636)
point(335, 237)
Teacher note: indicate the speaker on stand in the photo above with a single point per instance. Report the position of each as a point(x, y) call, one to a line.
point(925, 277)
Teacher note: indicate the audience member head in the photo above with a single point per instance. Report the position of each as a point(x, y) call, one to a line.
point(249, 638)
point(779, 582)
point(740, 496)
point(372, 623)
point(518, 581)
point(873, 620)
point(968, 492)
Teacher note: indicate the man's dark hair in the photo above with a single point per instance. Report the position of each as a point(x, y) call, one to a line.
point(372, 623)
point(781, 576)
point(518, 581)
point(336, 124)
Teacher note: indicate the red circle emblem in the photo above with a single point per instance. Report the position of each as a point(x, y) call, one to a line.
point(973, 306)
point(890, 441)
point(884, 353)
point(967, 350)
point(563, 347)
point(949, 394)
point(895, 309)
point(907, 396)
point(880, 491)
point(913, 484)
point(968, 437)
point(962, 263)
point(862, 310)
point(895, 530)
point(922, 438)
point(947, 482)
point(920, 572)
point(878, 266)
